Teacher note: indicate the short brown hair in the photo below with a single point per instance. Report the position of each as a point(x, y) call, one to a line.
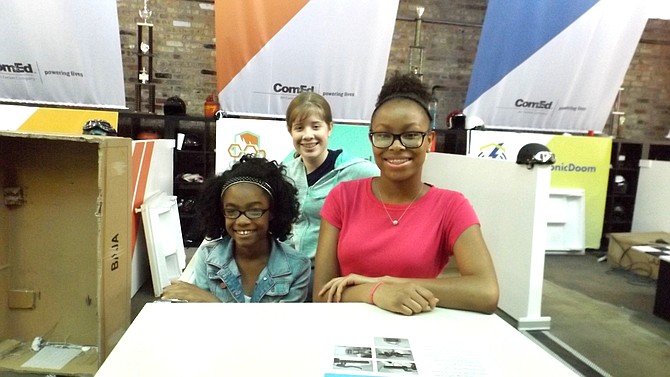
point(306, 104)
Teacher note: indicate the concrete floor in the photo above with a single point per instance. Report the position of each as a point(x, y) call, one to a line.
point(606, 315)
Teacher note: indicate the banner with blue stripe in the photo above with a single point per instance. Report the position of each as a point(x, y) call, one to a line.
point(552, 65)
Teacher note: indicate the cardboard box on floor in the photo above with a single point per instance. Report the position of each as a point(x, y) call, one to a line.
point(622, 254)
point(64, 242)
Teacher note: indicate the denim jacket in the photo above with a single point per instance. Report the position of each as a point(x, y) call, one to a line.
point(305, 233)
point(285, 278)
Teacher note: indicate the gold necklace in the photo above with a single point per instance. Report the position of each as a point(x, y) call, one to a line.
point(396, 222)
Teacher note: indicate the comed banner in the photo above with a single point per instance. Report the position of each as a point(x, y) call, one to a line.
point(553, 65)
point(61, 52)
point(269, 51)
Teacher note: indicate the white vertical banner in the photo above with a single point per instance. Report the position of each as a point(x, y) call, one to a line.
point(560, 70)
point(269, 52)
point(61, 52)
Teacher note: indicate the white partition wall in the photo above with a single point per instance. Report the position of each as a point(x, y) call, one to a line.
point(652, 202)
point(582, 162)
point(511, 202)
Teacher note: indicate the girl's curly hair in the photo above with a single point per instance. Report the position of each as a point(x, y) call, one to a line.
point(284, 205)
point(404, 86)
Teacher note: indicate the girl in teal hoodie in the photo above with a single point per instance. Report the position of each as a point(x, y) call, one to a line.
point(316, 169)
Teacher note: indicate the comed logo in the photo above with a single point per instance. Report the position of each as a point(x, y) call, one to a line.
point(280, 88)
point(533, 104)
point(16, 68)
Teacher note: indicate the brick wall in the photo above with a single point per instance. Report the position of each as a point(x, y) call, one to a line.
point(646, 95)
point(449, 34)
point(183, 51)
point(184, 59)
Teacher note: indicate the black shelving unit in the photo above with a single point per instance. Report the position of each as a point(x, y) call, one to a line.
point(134, 124)
point(623, 179)
point(194, 156)
point(621, 188)
point(451, 141)
point(455, 141)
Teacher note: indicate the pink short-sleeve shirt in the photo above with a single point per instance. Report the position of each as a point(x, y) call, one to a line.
point(418, 247)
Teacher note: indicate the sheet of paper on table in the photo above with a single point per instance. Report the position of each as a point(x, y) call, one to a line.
point(380, 356)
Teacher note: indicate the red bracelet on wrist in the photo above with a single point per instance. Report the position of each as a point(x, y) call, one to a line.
point(372, 294)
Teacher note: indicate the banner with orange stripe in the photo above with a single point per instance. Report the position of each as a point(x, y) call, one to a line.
point(269, 51)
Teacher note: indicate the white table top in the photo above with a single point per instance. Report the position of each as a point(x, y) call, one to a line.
point(304, 339)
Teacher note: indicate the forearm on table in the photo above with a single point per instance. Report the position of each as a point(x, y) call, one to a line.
point(359, 293)
point(353, 293)
point(458, 292)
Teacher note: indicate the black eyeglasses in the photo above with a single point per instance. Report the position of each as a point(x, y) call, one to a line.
point(251, 214)
point(411, 139)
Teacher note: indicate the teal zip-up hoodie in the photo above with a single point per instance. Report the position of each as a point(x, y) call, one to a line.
point(305, 234)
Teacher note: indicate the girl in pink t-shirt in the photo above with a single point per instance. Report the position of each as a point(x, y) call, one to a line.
point(385, 240)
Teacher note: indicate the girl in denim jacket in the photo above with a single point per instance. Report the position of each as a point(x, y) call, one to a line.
point(246, 212)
